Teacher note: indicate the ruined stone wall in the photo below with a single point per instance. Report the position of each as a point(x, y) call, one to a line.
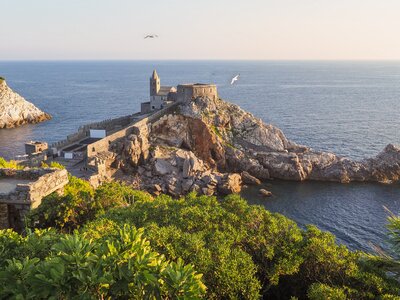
point(14, 205)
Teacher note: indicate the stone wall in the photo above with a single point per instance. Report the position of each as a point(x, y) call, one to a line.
point(14, 205)
point(104, 144)
point(83, 131)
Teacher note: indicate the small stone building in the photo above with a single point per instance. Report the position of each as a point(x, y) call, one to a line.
point(35, 147)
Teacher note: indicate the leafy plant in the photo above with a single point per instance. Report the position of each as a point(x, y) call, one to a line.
point(79, 268)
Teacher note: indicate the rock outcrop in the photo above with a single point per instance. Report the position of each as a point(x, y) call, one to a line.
point(212, 146)
point(15, 110)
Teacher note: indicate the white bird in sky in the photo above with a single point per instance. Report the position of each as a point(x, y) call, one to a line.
point(236, 78)
point(151, 36)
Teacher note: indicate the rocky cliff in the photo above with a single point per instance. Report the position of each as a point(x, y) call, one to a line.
point(15, 110)
point(212, 146)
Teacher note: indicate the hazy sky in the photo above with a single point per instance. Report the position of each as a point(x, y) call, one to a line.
point(193, 29)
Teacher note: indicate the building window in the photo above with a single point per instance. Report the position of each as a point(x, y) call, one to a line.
point(153, 107)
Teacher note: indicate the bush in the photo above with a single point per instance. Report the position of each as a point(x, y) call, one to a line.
point(75, 267)
point(12, 164)
point(53, 164)
point(245, 251)
point(81, 203)
point(320, 291)
point(68, 211)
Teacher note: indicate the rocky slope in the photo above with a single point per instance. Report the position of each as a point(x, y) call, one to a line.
point(214, 147)
point(15, 110)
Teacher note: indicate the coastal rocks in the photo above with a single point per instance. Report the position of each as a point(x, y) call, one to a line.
point(188, 133)
point(265, 193)
point(16, 111)
point(210, 146)
point(263, 151)
point(249, 179)
point(231, 183)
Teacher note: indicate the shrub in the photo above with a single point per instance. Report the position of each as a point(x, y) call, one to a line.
point(12, 164)
point(53, 164)
point(68, 211)
point(79, 268)
point(81, 203)
point(245, 251)
point(320, 291)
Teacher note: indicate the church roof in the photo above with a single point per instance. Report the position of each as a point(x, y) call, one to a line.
point(165, 90)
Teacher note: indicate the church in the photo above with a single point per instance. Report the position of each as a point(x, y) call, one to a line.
point(161, 96)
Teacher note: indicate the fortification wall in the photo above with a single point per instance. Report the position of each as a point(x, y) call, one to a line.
point(104, 144)
point(187, 92)
point(83, 131)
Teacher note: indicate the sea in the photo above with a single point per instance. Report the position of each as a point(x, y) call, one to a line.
point(351, 108)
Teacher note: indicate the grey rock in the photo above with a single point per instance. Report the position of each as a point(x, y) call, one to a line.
point(265, 193)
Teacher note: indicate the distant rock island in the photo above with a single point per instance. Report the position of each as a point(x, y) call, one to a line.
point(15, 110)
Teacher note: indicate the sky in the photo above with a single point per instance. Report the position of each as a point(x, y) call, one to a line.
point(206, 29)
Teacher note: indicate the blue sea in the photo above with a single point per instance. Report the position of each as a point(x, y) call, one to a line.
point(349, 108)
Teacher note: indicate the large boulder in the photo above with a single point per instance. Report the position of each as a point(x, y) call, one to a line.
point(249, 179)
point(230, 184)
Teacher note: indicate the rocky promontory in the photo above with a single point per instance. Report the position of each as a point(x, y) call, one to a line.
point(15, 110)
point(213, 146)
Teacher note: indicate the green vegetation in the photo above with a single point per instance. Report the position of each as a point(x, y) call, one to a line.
point(118, 243)
point(53, 164)
point(12, 164)
point(216, 131)
point(51, 266)
point(2, 79)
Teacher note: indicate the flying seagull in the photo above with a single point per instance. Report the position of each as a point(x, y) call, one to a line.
point(151, 36)
point(235, 79)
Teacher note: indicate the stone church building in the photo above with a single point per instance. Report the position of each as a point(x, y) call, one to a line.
point(161, 96)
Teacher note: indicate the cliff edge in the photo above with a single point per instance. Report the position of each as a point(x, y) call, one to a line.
point(15, 110)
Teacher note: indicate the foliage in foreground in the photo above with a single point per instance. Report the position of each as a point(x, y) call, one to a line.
point(75, 267)
point(243, 251)
point(246, 252)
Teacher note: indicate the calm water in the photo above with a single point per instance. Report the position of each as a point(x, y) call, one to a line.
point(350, 108)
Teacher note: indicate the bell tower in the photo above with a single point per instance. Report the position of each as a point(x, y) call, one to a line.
point(154, 84)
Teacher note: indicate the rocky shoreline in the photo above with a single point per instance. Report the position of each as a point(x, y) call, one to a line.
point(16, 111)
point(215, 147)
